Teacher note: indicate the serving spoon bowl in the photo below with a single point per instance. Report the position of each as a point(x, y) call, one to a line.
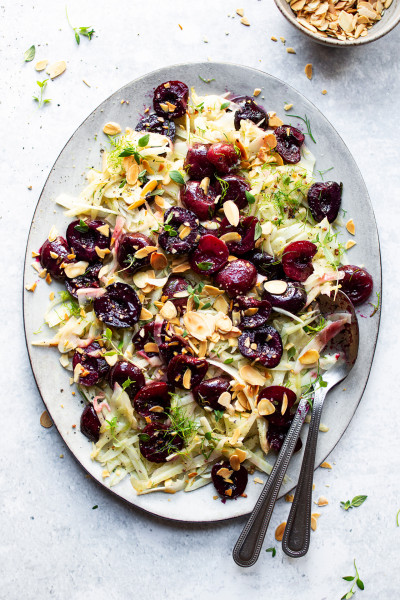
point(297, 531)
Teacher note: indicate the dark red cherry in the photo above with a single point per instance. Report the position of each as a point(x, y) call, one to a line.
point(119, 306)
point(234, 188)
point(90, 423)
point(237, 277)
point(229, 487)
point(84, 237)
point(180, 364)
point(357, 283)
point(293, 299)
point(145, 335)
point(129, 244)
point(195, 199)
point(207, 393)
point(276, 395)
point(276, 437)
point(174, 219)
point(176, 94)
point(263, 344)
point(251, 111)
point(246, 229)
point(296, 260)
point(289, 141)
point(90, 279)
point(53, 265)
point(210, 255)
point(266, 264)
point(156, 394)
point(254, 313)
point(157, 441)
point(196, 163)
point(223, 157)
point(324, 200)
point(155, 124)
point(123, 372)
point(175, 286)
point(173, 346)
point(93, 362)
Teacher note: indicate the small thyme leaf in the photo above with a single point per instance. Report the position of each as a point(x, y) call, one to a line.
point(85, 31)
point(82, 227)
point(357, 581)
point(250, 198)
point(206, 80)
point(272, 550)
point(257, 231)
point(127, 383)
point(205, 265)
point(357, 501)
point(224, 105)
point(177, 177)
point(228, 361)
point(218, 414)
point(143, 141)
point(39, 99)
point(29, 54)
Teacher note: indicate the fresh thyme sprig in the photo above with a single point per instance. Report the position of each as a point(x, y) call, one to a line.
point(85, 31)
point(194, 293)
point(206, 80)
point(272, 550)
point(357, 501)
point(357, 581)
point(107, 337)
point(39, 99)
point(377, 305)
point(306, 120)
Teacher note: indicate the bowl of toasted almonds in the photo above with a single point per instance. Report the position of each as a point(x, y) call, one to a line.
point(342, 22)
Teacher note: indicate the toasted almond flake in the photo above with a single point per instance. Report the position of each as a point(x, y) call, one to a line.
point(323, 428)
point(221, 305)
point(157, 409)
point(257, 92)
point(228, 492)
point(143, 252)
point(223, 323)
point(56, 69)
point(240, 12)
point(185, 266)
point(43, 272)
point(265, 407)
point(279, 531)
point(289, 497)
point(322, 501)
point(51, 296)
point(350, 244)
point(41, 65)
point(245, 21)
point(198, 325)
point(148, 168)
point(325, 465)
point(31, 287)
point(205, 184)
point(48, 279)
point(112, 359)
point(52, 234)
point(225, 399)
point(251, 375)
point(313, 523)
point(241, 454)
point(168, 311)
point(284, 404)
point(101, 252)
point(45, 420)
point(273, 38)
point(275, 121)
point(283, 40)
point(158, 261)
point(149, 187)
point(112, 128)
point(186, 379)
point(258, 480)
point(275, 286)
point(270, 140)
point(234, 462)
point(309, 358)
point(75, 269)
point(243, 151)
point(104, 229)
point(350, 226)
point(290, 50)
point(150, 347)
point(164, 107)
point(308, 70)
point(231, 212)
point(53, 254)
point(184, 233)
point(211, 290)
point(171, 107)
point(288, 106)
point(224, 472)
point(145, 315)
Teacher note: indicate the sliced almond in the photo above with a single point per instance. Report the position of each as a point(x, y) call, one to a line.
point(112, 128)
point(186, 379)
point(221, 305)
point(225, 399)
point(168, 311)
point(279, 531)
point(234, 462)
point(197, 325)
point(104, 229)
point(240, 12)
point(156, 409)
point(251, 375)
point(275, 121)
point(184, 232)
point(350, 244)
point(182, 268)
point(56, 69)
point(289, 497)
point(223, 323)
point(245, 21)
point(158, 261)
point(241, 454)
point(266, 228)
point(309, 358)
point(313, 523)
point(52, 234)
point(149, 187)
point(101, 252)
point(322, 501)
point(150, 347)
point(351, 227)
point(211, 290)
point(205, 184)
point(143, 252)
point(231, 212)
point(284, 404)
point(270, 140)
point(131, 170)
point(171, 107)
point(75, 269)
point(164, 107)
point(228, 492)
point(53, 254)
point(308, 70)
point(112, 359)
point(231, 236)
point(145, 315)
point(275, 286)
point(45, 420)
point(325, 465)
point(41, 65)
point(224, 472)
point(265, 407)
point(257, 92)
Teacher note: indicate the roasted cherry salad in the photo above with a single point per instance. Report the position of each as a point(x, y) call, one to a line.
point(193, 268)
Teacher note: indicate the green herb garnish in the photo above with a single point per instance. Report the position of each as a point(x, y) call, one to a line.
point(228, 361)
point(250, 198)
point(272, 550)
point(143, 141)
point(205, 265)
point(177, 177)
point(377, 305)
point(206, 80)
point(357, 501)
point(224, 105)
point(357, 581)
point(30, 54)
point(39, 99)
point(127, 383)
point(85, 31)
point(306, 120)
point(218, 414)
point(257, 231)
point(82, 227)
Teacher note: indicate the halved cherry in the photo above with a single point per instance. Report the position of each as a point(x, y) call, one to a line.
point(177, 219)
point(157, 441)
point(53, 255)
point(176, 290)
point(90, 423)
point(178, 367)
point(173, 346)
point(251, 111)
point(129, 244)
point(170, 99)
point(247, 231)
point(254, 313)
point(207, 393)
point(324, 199)
point(234, 188)
point(263, 345)
point(119, 306)
point(90, 279)
point(124, 372)
point(229, 484)
point(276, 436)
point(196, 163)
point(84, 237)
point(296, 260)
point(357, 283)
point(289, 141)
point(153, 399)
point(194, 198)
point(237, 277)
point(156, 124)
point(146, 335)
point(210, 256)
point(223, 157)
point(94, 365)
point(266, 264)
point(283, 399)
point(292, 299)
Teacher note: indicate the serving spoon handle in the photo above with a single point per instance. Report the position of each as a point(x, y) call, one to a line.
point(248, 546)
point(296, 538)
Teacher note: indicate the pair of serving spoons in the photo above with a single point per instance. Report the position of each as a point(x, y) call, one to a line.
point(296, 538)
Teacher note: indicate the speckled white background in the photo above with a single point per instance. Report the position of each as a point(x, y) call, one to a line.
point(52, 544)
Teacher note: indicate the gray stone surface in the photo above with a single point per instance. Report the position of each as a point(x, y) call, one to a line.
point(53, 545)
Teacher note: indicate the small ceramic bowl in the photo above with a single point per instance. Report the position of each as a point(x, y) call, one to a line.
point(390, 19)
